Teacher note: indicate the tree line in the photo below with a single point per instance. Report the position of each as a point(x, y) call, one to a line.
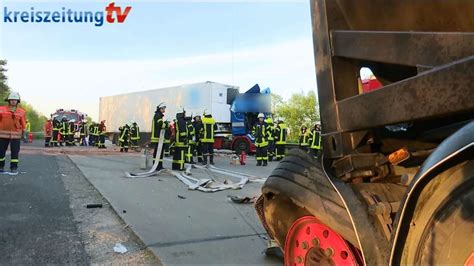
point(37, 120)
point(301, 109)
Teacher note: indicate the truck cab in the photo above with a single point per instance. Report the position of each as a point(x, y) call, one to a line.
point(244, 110)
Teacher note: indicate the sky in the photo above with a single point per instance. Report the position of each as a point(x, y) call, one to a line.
point(160, 44)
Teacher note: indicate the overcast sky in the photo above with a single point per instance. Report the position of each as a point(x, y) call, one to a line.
point(161, 44)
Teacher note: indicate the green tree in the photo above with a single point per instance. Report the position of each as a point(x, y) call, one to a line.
point(3, 80)
point(300, 109)
point(37, 120)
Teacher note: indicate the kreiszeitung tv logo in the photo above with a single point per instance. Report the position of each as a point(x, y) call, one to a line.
point(112, 14)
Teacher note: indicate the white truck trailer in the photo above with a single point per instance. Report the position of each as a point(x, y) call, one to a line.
point(140, 106)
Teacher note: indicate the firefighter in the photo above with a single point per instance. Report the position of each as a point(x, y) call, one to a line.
point(56, 128)
point(315, 140)
point(27, 131)
point(197, 124)
point(63, 131)
point(280, 139)
point(70, 133)
point(13, 123)
point(96, 134)
point(167, 140)
point(120, 134)
point(124, 136)
point(157, 125)
point(271, 140)
point(191, 140)
point(82, 134)
point(48, 133)
point(207, 138)
point(181, 141)
point(90, 129)
point(102, 132)
point(134, 135)
point(303, 141)
point(261, 142)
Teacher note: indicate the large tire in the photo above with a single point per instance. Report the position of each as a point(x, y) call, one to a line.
point(297, 187)
point(241, 145)
point(443, 222)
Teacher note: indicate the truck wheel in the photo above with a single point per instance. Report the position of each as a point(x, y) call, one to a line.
point(443, 222)
point(241, 145)
point(303, 237)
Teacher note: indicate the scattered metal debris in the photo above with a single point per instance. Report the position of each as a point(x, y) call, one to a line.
point(95, 205)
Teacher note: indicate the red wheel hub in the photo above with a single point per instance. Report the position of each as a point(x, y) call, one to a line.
point(309, 242)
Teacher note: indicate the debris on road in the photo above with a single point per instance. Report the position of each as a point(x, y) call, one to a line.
point(91, 206)
point(242, 200)
point(119, 248)
point(181, 197)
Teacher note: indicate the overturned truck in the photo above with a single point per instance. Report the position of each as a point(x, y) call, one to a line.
point(395, 184)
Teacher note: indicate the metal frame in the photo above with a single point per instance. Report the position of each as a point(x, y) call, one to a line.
point(426, 74)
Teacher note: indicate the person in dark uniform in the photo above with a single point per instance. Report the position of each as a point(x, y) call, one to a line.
point(181, 141)
point(207, 138)
point(197, 124)
point(261, 142)
point(157, 124)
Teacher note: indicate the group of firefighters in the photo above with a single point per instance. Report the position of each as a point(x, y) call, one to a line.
point(193, 136)
point(310, 141)
point(62, 132)
point(129, 136)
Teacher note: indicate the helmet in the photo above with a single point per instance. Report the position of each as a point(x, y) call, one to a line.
point(161, 105)
point(13, 96)
point(281, 119)
point(196, 115)
point(261, 115)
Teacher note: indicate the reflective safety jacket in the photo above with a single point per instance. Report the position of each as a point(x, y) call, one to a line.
point(304, 138)
point(28, 126)
point(56, 125)
point(260, 132)
point(134, 132)
point(71, 129)
point(83, 130)
point(315, 139)
point(157, 125)
point(124, 134)
point(167, 132)
point(96, 130)
point(281, 131)
point(191, 133)
point(197, 130)
point(12, 122)
point(181, 138)
point(208, 128)
point(270, 128)
point(64, 128)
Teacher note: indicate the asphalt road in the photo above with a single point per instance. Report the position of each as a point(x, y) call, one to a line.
point(36, 223)
point(182, 226)
point(44, 219)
